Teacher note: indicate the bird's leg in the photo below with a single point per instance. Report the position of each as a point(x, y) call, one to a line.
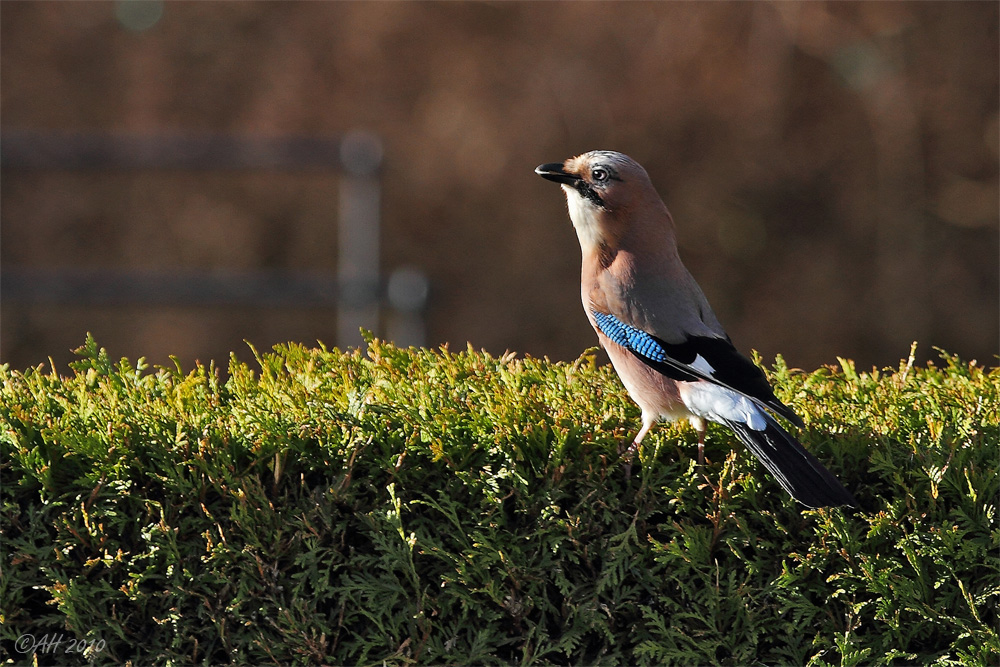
point(702, 429)
point(627, 448)
point(627, 452)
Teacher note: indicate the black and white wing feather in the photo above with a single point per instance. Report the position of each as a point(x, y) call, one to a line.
point(713, 360)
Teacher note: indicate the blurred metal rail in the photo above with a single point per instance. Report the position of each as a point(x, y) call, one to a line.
point(75, 151)
point(110, 287)
point(356, 290)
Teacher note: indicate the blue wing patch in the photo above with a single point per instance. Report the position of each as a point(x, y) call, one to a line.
point(636, 340)
point(643, 345)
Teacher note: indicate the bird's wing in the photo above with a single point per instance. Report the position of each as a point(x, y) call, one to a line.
point(713, 360)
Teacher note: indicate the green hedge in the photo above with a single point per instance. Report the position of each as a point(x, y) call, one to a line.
point(432, 507)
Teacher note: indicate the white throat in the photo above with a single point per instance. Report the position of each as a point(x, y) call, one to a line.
point(584, 217)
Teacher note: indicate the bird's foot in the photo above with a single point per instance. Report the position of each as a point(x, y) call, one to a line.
point(626, 451)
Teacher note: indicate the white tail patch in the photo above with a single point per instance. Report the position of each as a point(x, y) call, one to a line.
point(719, 404)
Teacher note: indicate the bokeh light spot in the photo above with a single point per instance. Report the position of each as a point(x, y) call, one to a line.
point(138, 15)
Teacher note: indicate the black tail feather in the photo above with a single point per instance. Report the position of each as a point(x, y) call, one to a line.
point(796, 470)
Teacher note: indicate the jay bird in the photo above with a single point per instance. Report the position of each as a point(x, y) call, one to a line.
point(664, 341)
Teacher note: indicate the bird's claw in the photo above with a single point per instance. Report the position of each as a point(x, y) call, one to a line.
point(626, 452)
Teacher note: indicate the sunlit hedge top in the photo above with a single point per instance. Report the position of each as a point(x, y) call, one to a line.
point(427, 506)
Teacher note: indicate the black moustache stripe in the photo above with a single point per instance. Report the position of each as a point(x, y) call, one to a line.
point(589, 194)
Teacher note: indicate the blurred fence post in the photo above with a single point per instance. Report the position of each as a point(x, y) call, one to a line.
point(358, 231)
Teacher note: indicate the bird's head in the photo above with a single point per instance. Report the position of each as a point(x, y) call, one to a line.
point(607, 193)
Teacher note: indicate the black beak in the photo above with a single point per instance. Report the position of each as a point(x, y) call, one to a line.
point(554, 171)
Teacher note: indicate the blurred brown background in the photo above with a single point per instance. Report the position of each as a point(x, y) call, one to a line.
point(832, 167)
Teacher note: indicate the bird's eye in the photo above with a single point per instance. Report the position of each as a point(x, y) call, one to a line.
point(599, 175)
